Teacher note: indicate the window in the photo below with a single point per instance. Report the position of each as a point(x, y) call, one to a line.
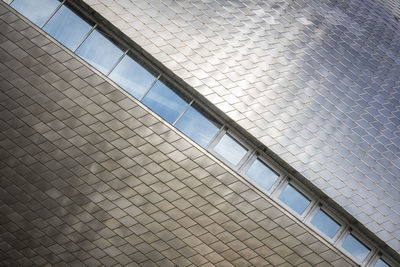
point(67, 27)
point(38, 11)
point(197, 126)
point(164, 102)
point(355, 247)
point(325, 223)
point(230, 149)
point(100, 52)
point(294, 199)
point(381, 263)
point(262, 174)
point(132, 77)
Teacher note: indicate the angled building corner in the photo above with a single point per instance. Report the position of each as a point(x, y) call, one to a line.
point(177, 133)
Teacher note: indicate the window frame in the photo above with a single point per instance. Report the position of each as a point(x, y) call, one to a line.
point(360, 237)
point(111, 38)
point(61, 3)
point(279, 189)
point(320, 206)
point(379, 255)
point(215, 141)
point(175, 88)
point(257, 155)
point(129, 53)
point(193, 104)
point(79, 13)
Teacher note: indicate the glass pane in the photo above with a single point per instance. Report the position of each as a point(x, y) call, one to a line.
point(325, 223)
point(230, 149)
point(164, 102)
point(38, 11)
point(67, 27)
point(294, 199)
point(197, 126)
point(99, 51)
point(262, 174)
point(131, 76)
point(381, 263)
point(355, 247)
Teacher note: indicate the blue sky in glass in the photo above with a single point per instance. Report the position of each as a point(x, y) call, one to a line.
point(262, 174)
point(67, 27)
point(294, 199)
point(325, 223)
point(230, 149)
point(132, 77)
point(99, 51)
point(38, 11)
point(381, 263)
point(197, 126)
point(355, 247)
point(164, 102)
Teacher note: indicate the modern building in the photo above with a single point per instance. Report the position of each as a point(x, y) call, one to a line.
point(206, 133)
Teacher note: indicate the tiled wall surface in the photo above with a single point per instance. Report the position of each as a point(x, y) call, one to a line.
point(316, 81)
point(89, 177)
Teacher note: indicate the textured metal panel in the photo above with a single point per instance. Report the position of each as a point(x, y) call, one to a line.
point(316, 81)
point(89, 177)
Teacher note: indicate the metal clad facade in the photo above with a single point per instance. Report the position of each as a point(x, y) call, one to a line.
point(89, 177)
point(317, 82)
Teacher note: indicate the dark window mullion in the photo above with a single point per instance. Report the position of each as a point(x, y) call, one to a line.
point(84, 38)
point(148, 89)
point(249, 159)
point(118, 61)
point(311, 211)
point(52, 14)
point(214, 141)
point(183, 111)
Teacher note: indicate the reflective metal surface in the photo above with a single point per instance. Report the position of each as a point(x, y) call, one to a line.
point(316, 81)
point(91, 177)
